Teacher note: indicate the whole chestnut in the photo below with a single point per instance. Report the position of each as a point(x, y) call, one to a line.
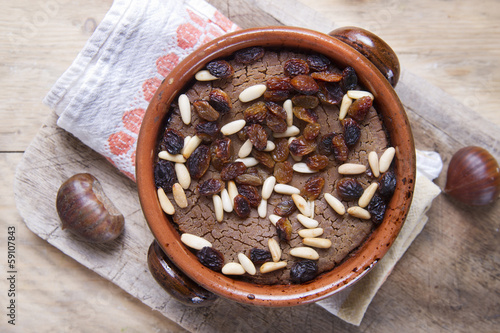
point(473, 176)
point(86, 211)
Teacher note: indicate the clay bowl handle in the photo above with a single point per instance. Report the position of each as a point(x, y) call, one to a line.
point(372, 47)
point(175, 282)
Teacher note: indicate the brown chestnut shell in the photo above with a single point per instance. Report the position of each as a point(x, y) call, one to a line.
point(473, 176)
point(86, 211)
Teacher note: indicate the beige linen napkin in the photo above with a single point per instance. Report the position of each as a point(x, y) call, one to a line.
point(103, 95)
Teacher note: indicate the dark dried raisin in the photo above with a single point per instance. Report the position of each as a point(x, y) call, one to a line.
point(221, 151)
point(388, 184)
point(251, 193)
point(283, 171)
point(307, 115)
point(340, 149)
point(242, 206)
point(260, 256)
point(210, 187)
point(317, 162)
point(276, 95)
point(349, 189)
point(249, 179)
point(330, 93)
point(349, 78)
point(255, 113)
point(359, 108)
point(165, 176)
point(276, 109)
point(220, 101)
point(285, 208)
point(211, 258)
point(232, 170)
point(276, 123)
point(279, 83)
point(352, 132)
point(301, 146)
point(377, 208)
point(198, 162)
point(295, 67)
point(318, 62)
point(208, 130)
point(305, 101)
point(304, 84)
point(313, 187)
point(284, 229)
point(327, 76)
point(205, 110)
point(257, 135)
point(249, 55)
point(220, 68)
point(311, 131)
point(303, 271)
point(325, 146)
point(264, 158)
point(172, 141)
point(280, 152)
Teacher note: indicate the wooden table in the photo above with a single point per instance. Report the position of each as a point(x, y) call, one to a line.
point(452, 44)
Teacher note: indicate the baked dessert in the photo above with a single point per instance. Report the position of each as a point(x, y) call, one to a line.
point(274, 165)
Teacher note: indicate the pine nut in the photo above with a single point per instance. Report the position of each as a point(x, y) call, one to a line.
point(351, 169)
point(304, 252)
point(248, 161)
point(303, 168)
point(227, 203)
point(288, 106)
point(290, 131)
point(286, 189)
point(183, 176)
point(356, 94)
point(367, 195)
point(185, 109)
point(165, 203)
point(307, 221)
point(373, 161)
point(274, 218)
point(311, 205)
point(251, 93)
point(186, 140)
point(179, 195)
point(233, 127)
point(165, 155)
point(310, 233)
point(233, 268)
point(268, 187)
point(335, 203)
point(245, 149)
point(247, 264)
point(270, 146)
point(232, 190)
point(321, 243)
point(301, 204)
point(191, 145)
point(218, 207)
point(272, 266)
point(359, 212)
point(262, 209)
point(386, 159)
point(204, 75)
point(275, 249)
point(344, 106)
point(194, 242)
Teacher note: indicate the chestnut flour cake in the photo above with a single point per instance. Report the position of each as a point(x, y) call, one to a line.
point(269, 165)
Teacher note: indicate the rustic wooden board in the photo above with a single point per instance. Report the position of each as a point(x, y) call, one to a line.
point(444, 282)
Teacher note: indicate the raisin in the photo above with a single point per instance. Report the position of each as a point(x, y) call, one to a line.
point(276, 123)
point(295, 66)
point(207, 130)
point(284, 229)
point(258, 136)
point(303, 271)
point(327, 76)
point(285, 208)
point(264, 158)
point(283, 171)
point(349, 189)
point(313, 187)
point(301, 146)
point(387, 183)
point(251, 193)
point(198, 162)
point(276, 95)
point(307, 115)
point(232, 170)
point(349, 78)
point(220, 68)
point(255, 113)
point(325, 146)
point(249, 55)
point(242, 135)
point(172, 141)
point(260, 256)
point(276, 109)
point(221, 151)
point(279, 83)
point(205, 110)
point(318, 62)
point(340, 149)
point(211, 258)
point(377, 207)
point(330, 93)
point(220, 101)
point(311, 131)
point(304, 84)
point(280, 152)
point(352, 131)
point(305, 101)
point(249, 179)
point(165, 176)
point(242, 206)
point(210, 187)
point(317, 162)
point(359, 108)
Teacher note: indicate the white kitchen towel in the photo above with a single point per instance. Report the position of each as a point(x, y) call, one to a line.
point(103, 95)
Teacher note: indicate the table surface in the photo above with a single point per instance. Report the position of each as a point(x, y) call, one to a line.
point(455, 45)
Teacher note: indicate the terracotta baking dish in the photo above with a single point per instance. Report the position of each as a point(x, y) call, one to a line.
point(169, 255)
